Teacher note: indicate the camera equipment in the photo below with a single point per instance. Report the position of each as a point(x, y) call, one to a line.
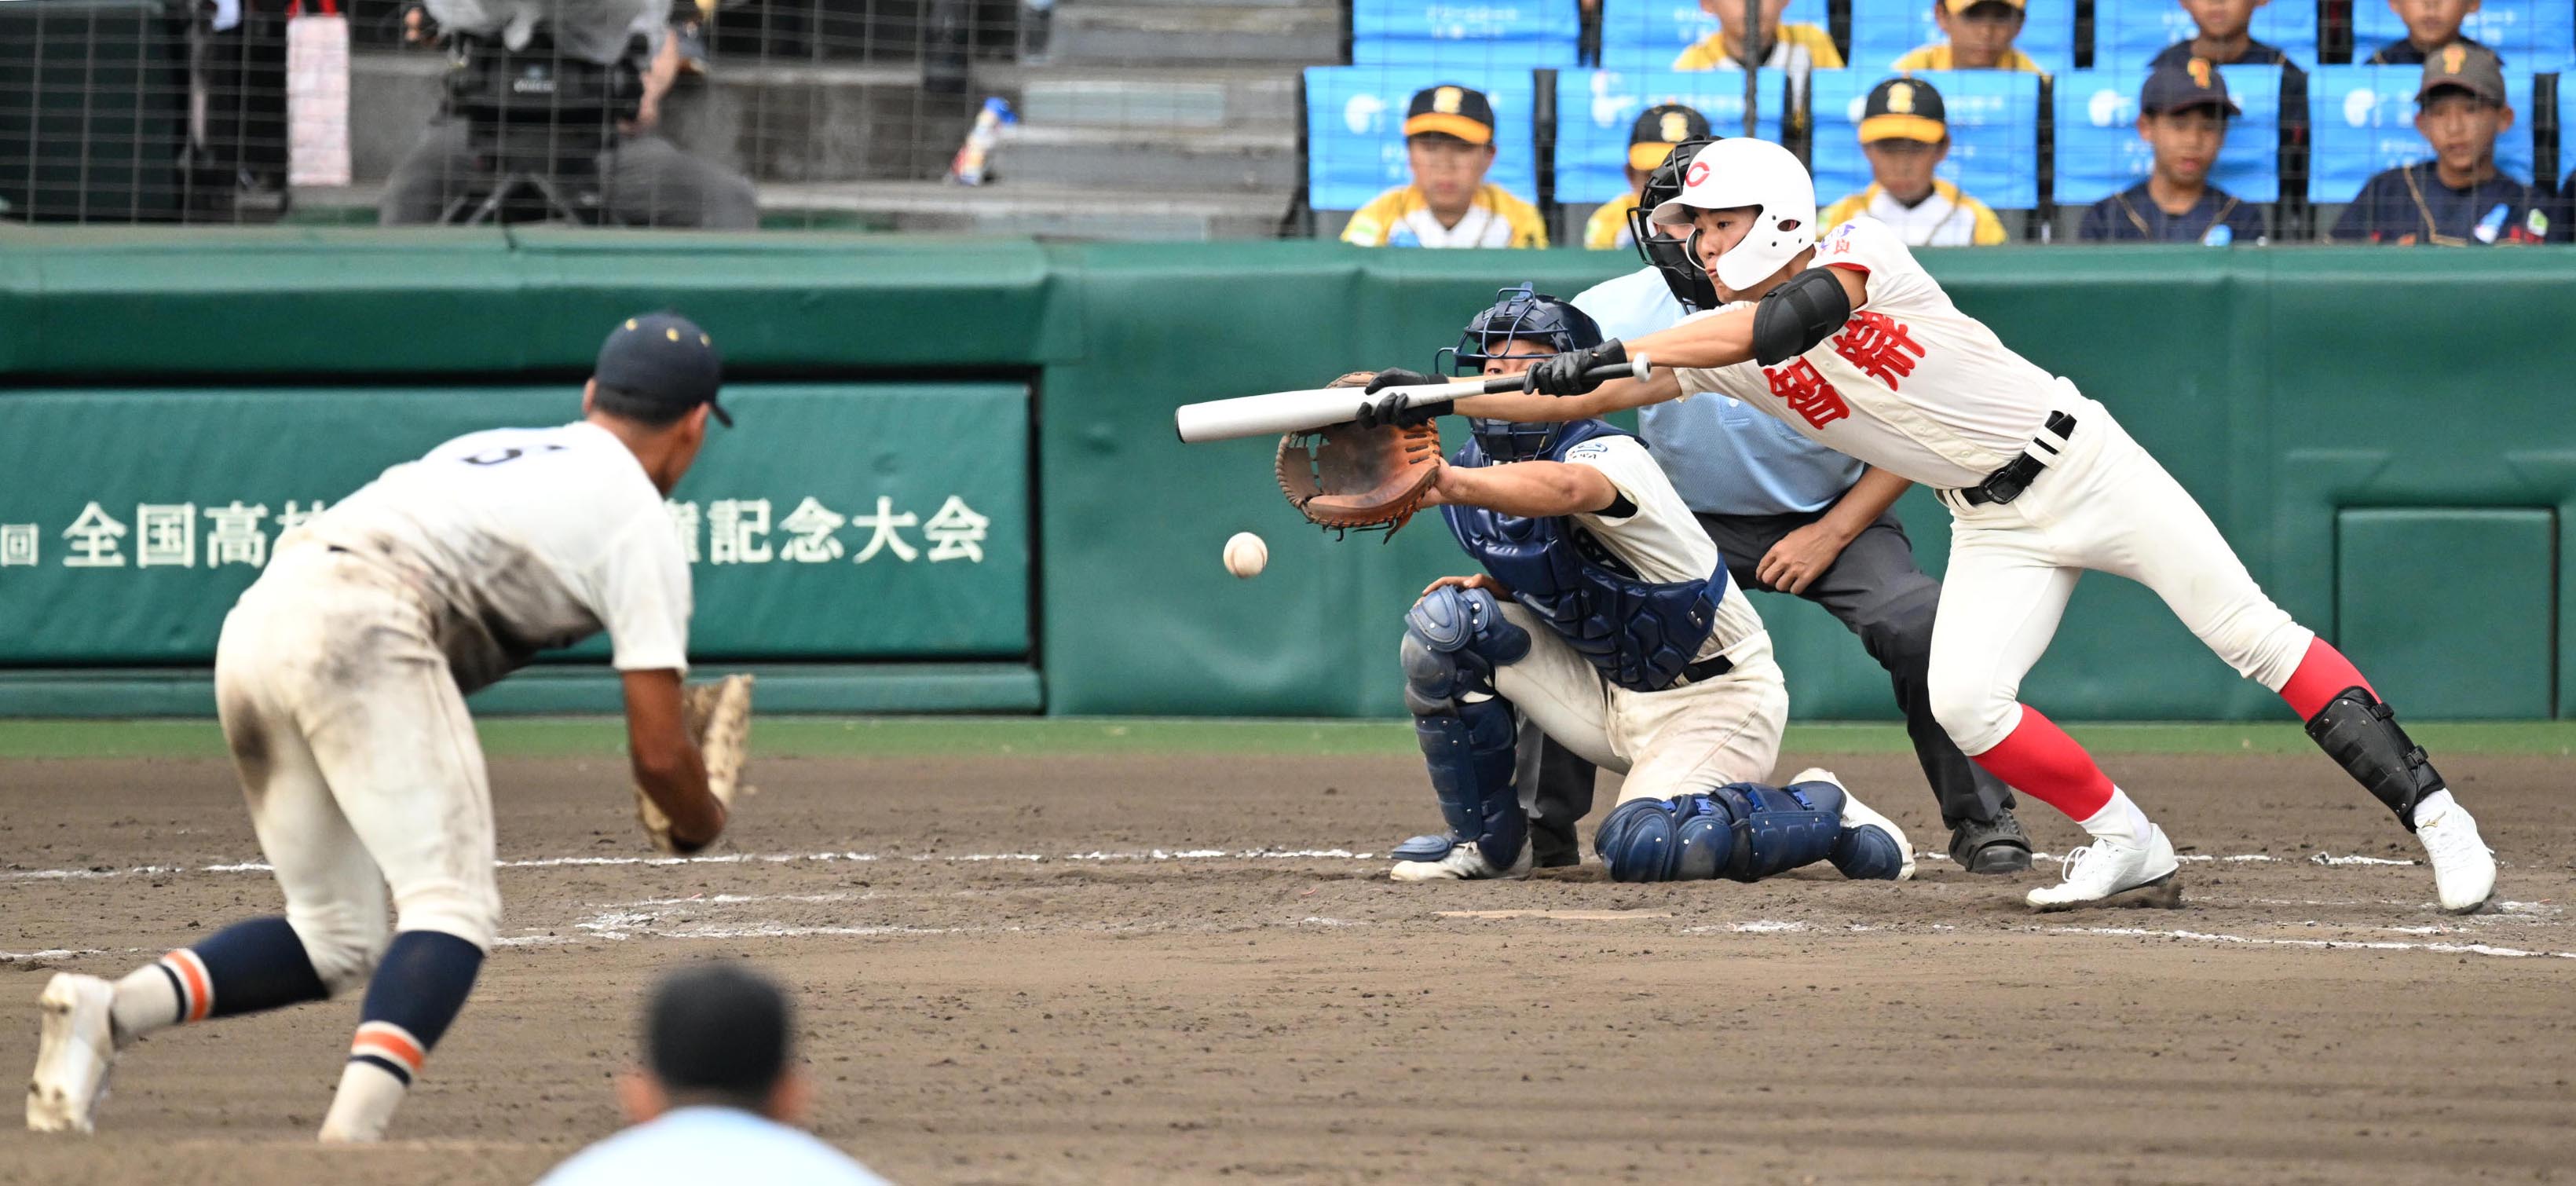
point(537, 120)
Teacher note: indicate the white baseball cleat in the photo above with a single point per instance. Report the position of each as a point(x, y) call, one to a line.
point(1466, 862)
point(2109, 873)
point(2463, 867)
point(1857, 814)
point(76, 1047)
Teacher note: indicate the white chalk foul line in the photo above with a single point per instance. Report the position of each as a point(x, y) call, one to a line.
point(772, 858)
point(2318, 944)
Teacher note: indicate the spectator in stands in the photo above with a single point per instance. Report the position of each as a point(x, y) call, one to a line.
point(1449, 144)
point(1797, 49)
point(2458, 198)
point(719, 1098)
point(1905, 133)
point(2430, 25)
point(2182, 113)
point(1649, 142)
point(1977, 35)
point(2225, 37)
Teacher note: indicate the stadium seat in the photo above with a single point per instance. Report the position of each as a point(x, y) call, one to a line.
point(1649, 34)
point(1355, 129)
point(1994, 133)
point(2532, 36)
point(2099, 152)
point(2362, 121)
point(2127, 33)
point(1596, 108)
point(1884, 30)
point(1501, 34)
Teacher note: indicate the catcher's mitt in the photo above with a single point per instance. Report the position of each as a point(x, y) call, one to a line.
point(1347, 478)
point(718, 715)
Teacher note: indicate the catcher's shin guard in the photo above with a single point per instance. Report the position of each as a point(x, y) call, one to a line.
point(1742, 832)
point(1453, 640)
point(2362, 735)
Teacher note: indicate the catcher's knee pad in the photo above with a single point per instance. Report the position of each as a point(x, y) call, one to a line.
point(2362, 735)
point(343, 943)
point(1743, 832)
point(1471, 752)
point(1453, 640)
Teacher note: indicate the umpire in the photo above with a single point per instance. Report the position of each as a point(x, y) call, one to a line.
point(1790, 516)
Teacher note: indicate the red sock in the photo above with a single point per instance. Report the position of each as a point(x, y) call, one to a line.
point(2041, 761)
point(2321, 676)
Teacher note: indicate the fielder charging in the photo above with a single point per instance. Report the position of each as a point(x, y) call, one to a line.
point(1852, 343)
point(1606, 616)
point(341, 678)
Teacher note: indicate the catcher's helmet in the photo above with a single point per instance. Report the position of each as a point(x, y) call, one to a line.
point(1658, 245)
point(1518, 314)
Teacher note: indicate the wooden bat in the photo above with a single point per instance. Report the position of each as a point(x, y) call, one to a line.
point(1297, 411)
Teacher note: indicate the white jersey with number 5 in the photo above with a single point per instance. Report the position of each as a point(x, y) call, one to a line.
point(523, 539)
point(1911, 384)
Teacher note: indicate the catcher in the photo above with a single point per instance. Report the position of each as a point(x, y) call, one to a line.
point(341, 679)
point(1604, 615)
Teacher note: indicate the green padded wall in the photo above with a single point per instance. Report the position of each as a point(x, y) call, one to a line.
point(2484, 650)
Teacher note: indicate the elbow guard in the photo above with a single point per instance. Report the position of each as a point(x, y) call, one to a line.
point(1797, 315)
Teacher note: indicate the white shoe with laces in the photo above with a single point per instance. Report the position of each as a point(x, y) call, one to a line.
point(2464, 868)
point(2109, 873)
point(1466, 862)
point(77, 1044)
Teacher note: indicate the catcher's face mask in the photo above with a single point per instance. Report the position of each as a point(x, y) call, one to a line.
point(1520, 328)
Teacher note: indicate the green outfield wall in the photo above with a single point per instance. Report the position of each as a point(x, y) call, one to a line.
point(2385, 434)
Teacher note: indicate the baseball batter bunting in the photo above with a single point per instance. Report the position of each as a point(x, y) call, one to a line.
point(2042, 482)
point(341, 677)
point(1606, 617)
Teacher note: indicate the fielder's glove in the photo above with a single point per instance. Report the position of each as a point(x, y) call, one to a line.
point(718, 715)
point(1563, 374)
point(1352, 478)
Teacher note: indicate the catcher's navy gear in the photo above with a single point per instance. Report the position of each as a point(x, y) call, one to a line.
point(1671, 257)
point(1453, 640)
point(1743, 832)
point(1518, 315)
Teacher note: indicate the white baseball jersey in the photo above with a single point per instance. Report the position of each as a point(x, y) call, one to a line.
point(1661, 541)
point(1911, 384)
point(525, 539)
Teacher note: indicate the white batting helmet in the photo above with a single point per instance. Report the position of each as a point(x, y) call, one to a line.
point(1743, 172)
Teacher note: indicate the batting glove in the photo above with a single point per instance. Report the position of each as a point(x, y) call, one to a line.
point(1391, 410)
point(1564, 374)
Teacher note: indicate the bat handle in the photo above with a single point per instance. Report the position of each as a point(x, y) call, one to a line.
point(1639, 368)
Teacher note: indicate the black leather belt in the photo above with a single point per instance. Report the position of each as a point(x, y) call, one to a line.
point(2007, 483)
point(1702, 672)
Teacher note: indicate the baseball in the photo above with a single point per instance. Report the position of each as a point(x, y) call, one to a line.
point(1245, 555)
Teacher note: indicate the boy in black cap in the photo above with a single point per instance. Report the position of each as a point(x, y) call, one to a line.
point(1449, 144)
point(2183, 113)
point(1905, 133)
point(719, 1097)
point(2458, 198)
point(2431, 25)
point(1650, 140)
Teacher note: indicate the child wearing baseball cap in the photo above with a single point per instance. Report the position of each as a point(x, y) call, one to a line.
point(2459, 198)
point(1650, 140)
point(1977, 35)
point(1449, 146)
point(2182, 114)
point(1905, 133)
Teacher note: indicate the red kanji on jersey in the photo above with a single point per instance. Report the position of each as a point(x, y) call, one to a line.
point(1877, 344)
point(1807, 393)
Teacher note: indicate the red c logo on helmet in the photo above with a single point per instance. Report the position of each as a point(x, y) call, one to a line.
point(1698, 173)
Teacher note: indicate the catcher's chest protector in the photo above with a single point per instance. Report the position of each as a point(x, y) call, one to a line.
point(1638, 633)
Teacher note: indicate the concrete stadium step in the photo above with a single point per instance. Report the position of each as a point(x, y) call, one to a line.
point(1093, 97)
point(1170, 34)
point(1053, 212)
point(1169, 159)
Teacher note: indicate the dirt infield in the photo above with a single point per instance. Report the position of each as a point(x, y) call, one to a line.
point(1125, 968)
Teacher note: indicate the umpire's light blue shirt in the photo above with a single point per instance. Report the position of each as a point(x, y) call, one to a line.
point(697, 1146)
point(1724, 457)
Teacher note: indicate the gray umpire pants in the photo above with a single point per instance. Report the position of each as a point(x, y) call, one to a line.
point(645, 180)
point(1874, 588)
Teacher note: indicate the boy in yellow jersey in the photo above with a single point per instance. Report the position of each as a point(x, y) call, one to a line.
point(1652, 139)
point(1449, 143)
point(1795, 48)
point(1905, 133)
point(1977, 35)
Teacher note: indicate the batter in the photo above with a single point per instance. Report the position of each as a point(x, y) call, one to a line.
point(1606, 615)
point(341, 678)
point(1849, 341)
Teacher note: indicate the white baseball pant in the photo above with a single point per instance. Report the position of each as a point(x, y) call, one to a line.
point(1667, 743)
